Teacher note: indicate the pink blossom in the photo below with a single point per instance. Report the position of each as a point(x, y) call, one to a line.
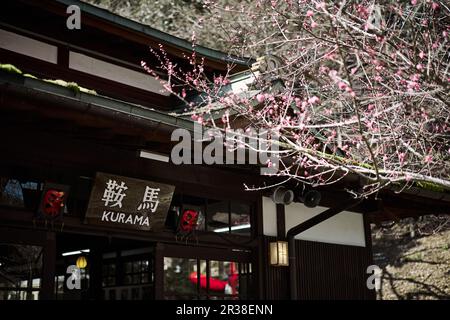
point(313, 24)
point(419, 67)
point(304, 105)
point(309, 13)
point(421, 54)
point(313, 100)
point(412, 85)
point(342, 85)
point(320, 5)
point(428, 159)
point(332, 74)
point(363, 11)
point(260, 97)
point(435, 5)
point(401, 157)
point(413, 2)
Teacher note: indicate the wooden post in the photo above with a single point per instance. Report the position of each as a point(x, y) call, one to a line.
point(159, 271)
point(48, 268)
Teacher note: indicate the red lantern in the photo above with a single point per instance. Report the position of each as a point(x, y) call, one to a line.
point(53, 202)
point(188, 221)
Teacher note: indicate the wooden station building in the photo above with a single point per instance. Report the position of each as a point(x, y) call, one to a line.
point(91, 207)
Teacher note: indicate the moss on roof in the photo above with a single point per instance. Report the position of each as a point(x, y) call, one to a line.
point(70, 85)
point(10, 68)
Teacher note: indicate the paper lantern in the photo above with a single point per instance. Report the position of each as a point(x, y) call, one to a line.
point(279, 255)
point(81, 262)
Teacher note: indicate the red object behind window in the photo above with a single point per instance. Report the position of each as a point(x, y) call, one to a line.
point(188, 221)
point(53, 202)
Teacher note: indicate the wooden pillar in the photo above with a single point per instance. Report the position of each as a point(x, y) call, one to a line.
point(48, 267)
point(370, 294)
point(259, 266)
point(281, 222)
point(96, 273)
point(159, 271)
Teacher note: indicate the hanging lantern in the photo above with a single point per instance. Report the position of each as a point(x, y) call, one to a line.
point(278, 254)
point(81, 262)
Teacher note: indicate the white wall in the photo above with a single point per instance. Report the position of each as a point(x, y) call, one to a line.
point(269, 217)
point(28, 46)
point(102, 69)
point(344, 228)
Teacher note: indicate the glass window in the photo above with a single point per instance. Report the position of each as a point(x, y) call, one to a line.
point(11, 193)
point(20, 271)
point(203, 277)
point(245, 281)
point(221, 216)
point(218, 216)
point(109, 274)
point(182, 203)
point(180, 276)
point(240, 218)
point(215, 279)
point(136, 272)
point(224, 277)
point(197, 205)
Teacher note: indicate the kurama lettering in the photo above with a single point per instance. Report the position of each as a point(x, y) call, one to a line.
point(125, 218)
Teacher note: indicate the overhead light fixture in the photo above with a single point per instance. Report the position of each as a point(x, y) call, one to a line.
point(278, 254)
point(226, 229)
point(153, 156)
point(72, 253)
